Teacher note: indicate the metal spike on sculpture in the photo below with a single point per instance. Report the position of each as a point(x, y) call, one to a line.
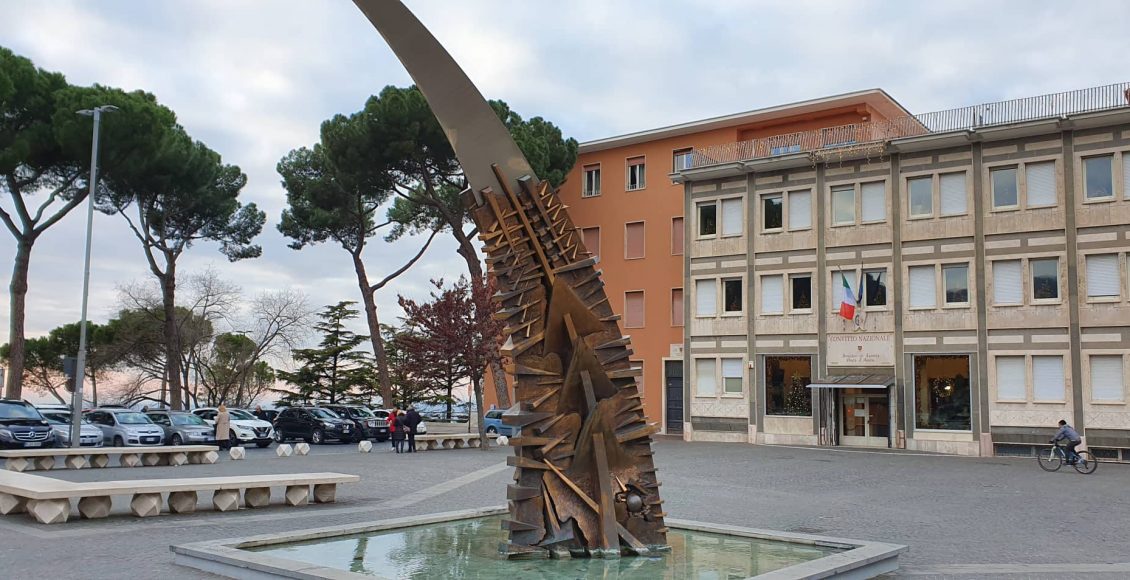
point(585, 482)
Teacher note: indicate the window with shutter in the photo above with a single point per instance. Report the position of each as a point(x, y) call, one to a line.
point(732, 375)
point(874, 202)
point(706, 297)
point(923, 292)
point(706, 385)
point(677, 307)
point(636, 173)
point(952, 186)
point(800, 210)
point(592, 181)
point(843, 205)
point(1041, 184)
point(1107, 378)
point(634, 240)
point(1047, 378)
point(1102, 276)
point(1008, 287)
point(591, 239)
point(732, 217)
point(1010, 379)
point(677, 234)
point(772, 294)
point(633, 309)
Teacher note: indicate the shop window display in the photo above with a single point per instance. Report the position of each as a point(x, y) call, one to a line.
point(786, 385)
point(942, 393)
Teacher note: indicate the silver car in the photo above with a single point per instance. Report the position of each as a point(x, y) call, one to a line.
point(126, 428)
point(183, 428)
point(89, 435)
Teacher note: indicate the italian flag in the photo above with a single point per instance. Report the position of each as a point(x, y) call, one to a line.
point(849, 302)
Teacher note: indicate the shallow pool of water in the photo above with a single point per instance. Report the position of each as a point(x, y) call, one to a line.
point(469, 549)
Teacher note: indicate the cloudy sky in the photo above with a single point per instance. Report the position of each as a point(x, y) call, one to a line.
point(254, 78)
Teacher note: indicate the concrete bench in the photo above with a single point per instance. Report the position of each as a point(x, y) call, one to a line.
point(450, 441)
point(48, 500)
point(44, 459)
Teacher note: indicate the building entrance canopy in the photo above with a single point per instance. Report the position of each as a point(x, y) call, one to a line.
point(854, 382)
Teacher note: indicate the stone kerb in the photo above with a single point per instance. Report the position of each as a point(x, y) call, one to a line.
point(365, 446)
point(284, 450)
point(237, 453)
point(302, 449)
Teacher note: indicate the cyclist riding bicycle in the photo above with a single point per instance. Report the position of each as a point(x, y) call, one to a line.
point(1072, 437)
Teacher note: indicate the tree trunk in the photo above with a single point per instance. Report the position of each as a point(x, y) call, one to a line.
point(477, 386)
point(16, 311)
point(172, 336)
point(494, 357)
point(374, 331)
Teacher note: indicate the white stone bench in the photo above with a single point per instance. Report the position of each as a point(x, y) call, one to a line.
point(48, 500)
point(83, 457)
point(451, 441)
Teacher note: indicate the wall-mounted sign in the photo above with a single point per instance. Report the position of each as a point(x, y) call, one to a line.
point(677, 350)
point(861, 350)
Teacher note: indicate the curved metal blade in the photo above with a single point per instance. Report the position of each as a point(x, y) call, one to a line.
point(475, 131)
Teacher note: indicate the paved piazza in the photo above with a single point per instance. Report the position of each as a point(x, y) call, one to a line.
point(962, 517)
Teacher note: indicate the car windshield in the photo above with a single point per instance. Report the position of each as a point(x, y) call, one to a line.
point(362, 412)
point(323, 413)
point(56, 419)
point(241, 415)
point(132, 418)
point(187, 419)
point(18, 411)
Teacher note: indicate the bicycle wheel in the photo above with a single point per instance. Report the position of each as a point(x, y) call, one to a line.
point(1086, 462)
point(1049, 459)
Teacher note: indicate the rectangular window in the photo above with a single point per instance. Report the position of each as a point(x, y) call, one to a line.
point(1047, 378)
point(635, 240)
point(677, 233)
point(801, 292)
point(592, 181)
point(843, 205)
point(922, 288)
point(682, 159)
point(772, 210)
point(732, 375)
point(1107, 382)
point(635, 173)
point(1004, 187)
point(941, 392)
point(800, 210)
point(706, 297)
point(875, 288)
point(1099, 177)
point(1041, 184)
point(874, 201)
point(956, 279)
point(952, 186)
point(706, 385)
point(772, 298)
point(676, 307)
point(633, 309)
point(1045, 278)
point(920, 192)
point(732, 295)
point(707, 219)
point(591, 238)
point(786, 385)
point(732, 217)
point(1010, 379)
point(1008, 285)
point(1102, 276)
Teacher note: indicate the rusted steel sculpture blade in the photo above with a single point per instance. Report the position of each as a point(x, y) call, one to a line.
point(585, 482)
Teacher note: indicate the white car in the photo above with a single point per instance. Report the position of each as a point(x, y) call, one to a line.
point(245, 427)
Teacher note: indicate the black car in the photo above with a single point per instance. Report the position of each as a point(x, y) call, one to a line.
point(22, 427)
point(312, 425)
point(367, 425)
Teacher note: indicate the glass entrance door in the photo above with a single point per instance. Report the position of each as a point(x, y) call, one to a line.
point(865, 420)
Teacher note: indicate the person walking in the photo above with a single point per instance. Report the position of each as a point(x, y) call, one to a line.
point(401, 432)
point(412, 420)
point(223, 427)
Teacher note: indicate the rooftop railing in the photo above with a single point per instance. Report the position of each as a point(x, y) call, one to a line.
point(961, 119)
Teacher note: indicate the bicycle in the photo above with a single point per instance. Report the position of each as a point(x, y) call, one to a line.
point(1052, 458)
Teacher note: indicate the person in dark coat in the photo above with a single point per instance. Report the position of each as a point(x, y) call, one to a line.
point(401, 432)
point(412, 420)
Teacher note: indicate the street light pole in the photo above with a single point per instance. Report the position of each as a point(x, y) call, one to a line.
point(80, 371)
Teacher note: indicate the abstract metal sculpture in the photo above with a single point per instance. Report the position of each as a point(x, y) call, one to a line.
point(585, 482)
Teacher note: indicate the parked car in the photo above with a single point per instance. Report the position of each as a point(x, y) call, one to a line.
point(183, 428)
point(313, 425)
point(493, 423)
point(89, 435)
point(245, 427)
point(126, 428)
point(22, 426)
point(366, 424)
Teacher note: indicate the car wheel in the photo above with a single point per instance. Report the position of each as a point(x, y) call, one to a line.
point(318, 437)
point(177, 440)
point(118, 442)
point(233, 440)
point(279, 437)
point(262, 444)
point(491, 429)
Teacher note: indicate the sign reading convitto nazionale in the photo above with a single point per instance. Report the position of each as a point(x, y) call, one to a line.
point(861, 350)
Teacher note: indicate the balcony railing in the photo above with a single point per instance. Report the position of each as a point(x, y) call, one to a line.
point(965, 118)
